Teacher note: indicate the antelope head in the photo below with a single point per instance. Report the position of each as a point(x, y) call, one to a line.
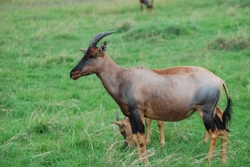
point(126, 130)
point(90, 61)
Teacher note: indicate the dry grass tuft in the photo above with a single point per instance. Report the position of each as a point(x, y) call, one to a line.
point(240, 41)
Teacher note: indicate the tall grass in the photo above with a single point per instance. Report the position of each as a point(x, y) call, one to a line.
point(47, 119)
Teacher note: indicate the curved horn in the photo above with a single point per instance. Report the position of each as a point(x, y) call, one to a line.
point(98, 37)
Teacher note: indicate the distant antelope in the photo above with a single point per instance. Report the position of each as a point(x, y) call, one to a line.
point(148, 5)
point(140, 93)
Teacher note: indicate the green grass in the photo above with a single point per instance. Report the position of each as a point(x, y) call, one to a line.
point(47, 119)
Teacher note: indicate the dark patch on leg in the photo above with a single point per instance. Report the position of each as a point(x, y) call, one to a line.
point(141, 128)
point(215, 122)
point(137, 126)
point(209, 124)
point(133, 126)
point(207, 97)
point(127, 95)
point(219, 124)
point(208, 119)
point(136, 122)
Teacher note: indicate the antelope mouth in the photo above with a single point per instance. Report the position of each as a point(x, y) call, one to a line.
point(76, 75)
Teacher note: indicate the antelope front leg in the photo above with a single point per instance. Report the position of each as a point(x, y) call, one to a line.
point(138, 130)
point(148, 123)
point(141, 147)
point(138, 150)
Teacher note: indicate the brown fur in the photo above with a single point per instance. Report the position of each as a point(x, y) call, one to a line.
point(125, 127)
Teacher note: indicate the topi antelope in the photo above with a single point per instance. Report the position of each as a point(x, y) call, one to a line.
point(125, 127)
point(140, 93)
point(148, 4)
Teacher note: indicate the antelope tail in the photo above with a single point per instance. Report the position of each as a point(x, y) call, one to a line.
point(226, 117)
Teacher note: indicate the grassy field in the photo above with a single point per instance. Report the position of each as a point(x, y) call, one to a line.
point(47, 119)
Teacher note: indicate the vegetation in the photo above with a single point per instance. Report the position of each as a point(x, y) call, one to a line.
point(47, 119)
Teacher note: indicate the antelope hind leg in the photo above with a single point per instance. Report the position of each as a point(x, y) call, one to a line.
point(224, 141)
point(206, 135)
point(213, 140)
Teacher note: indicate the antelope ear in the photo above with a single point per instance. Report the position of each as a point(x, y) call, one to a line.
point(119, 123)
point(104, 47)
point(83, 51)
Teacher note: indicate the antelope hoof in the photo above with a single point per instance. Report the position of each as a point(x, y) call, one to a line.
point(162, 143)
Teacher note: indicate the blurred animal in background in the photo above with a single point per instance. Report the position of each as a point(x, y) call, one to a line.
point(148, 5)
